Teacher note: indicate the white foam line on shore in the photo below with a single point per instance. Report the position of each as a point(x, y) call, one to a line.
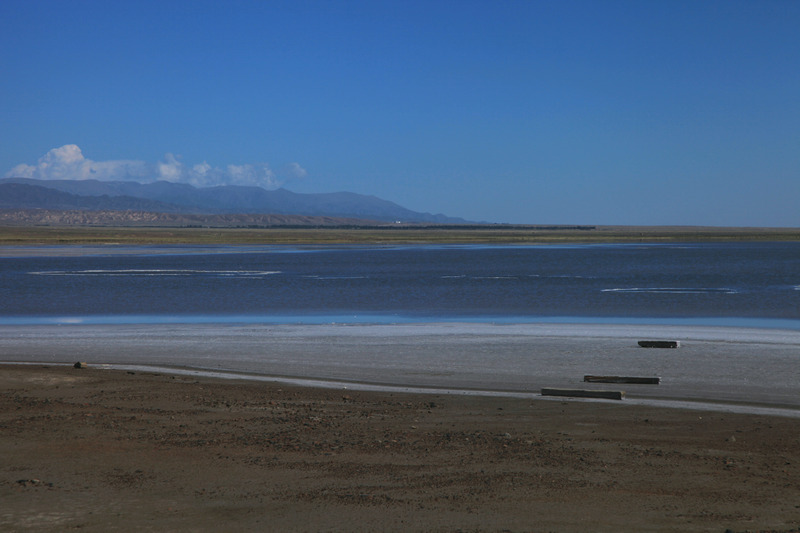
point(368, 387)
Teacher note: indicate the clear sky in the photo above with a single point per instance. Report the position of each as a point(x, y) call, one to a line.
point(544, 112)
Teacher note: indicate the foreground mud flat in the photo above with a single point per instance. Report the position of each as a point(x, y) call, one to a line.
point(101, 450)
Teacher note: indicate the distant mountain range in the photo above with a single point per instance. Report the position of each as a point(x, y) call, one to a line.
point(181, 199)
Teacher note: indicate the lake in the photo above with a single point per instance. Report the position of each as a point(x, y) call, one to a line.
point(739, 284)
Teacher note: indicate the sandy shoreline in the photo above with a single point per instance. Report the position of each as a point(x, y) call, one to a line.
point(743, 407)
point(108, 450)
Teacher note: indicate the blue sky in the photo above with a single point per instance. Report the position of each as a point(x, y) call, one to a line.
point(564, 112)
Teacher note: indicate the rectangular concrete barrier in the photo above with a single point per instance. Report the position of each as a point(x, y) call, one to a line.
point(622, 379)
point(660, 344)
point(583, 393)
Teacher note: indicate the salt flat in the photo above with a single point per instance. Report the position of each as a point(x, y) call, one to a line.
point(737, 365)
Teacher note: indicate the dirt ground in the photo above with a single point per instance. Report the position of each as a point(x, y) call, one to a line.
point(101, 450)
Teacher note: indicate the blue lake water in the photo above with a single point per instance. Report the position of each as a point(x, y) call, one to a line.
point(740, 284)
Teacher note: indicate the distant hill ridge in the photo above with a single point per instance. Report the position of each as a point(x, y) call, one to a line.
point(176, 198)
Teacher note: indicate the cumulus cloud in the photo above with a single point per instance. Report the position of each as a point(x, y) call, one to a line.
point(69, 163)
point(204, 175)
point(294, 170)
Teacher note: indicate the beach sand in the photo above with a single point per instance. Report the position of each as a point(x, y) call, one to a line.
point(108, 450)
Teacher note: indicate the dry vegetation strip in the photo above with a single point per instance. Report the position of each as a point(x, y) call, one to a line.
point(50, 235)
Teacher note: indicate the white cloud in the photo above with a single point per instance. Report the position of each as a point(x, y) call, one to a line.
point(68, 163)
point(253, 175)
point(170, 169)
point(204, 175)
point(295, 171)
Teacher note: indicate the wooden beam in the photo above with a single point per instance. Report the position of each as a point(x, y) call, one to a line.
point(622, 379)
point(583, 393)
point(660, 344)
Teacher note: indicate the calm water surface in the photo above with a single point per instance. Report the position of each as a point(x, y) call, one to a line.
point(756, 284)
